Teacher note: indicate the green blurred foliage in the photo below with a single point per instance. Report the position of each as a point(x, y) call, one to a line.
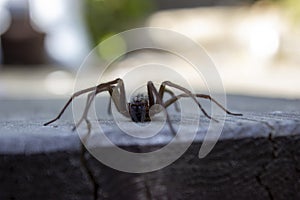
point(108, 17)
point(292, 7)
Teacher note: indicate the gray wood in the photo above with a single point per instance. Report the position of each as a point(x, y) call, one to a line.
point(52, 175)
point(257, 157)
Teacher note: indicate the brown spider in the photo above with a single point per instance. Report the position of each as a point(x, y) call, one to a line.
point(138, 108)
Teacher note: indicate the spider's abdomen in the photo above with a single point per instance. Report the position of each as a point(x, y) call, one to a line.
point(139, 109)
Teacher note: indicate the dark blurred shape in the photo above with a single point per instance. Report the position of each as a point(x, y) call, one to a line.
point(21, 44)
point(171, 4)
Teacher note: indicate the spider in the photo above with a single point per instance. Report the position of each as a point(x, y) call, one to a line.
point(138, 108)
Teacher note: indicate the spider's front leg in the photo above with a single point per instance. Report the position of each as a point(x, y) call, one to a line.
point(152, 91)
point(91, 96)
point(117, 93)
point(186, 92)
point(118, 96)
point(81, 92)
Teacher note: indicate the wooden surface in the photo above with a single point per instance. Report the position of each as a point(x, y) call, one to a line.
point(257, 157)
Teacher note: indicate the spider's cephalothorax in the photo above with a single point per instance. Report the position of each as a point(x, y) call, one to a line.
point(139, 108)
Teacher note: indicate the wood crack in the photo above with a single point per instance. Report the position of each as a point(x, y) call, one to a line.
point(89, 172)
point(274, 156)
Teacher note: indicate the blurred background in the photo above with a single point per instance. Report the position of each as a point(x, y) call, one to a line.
point(254, 44)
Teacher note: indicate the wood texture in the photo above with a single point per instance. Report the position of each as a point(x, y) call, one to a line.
point(257, 157)
point(247, 165)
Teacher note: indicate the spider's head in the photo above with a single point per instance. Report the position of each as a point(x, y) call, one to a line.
point(139, 108)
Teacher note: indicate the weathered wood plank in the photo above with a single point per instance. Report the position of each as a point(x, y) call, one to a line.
point(256, 157)
point(245, 164)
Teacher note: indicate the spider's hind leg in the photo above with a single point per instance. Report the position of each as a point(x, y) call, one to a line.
point(205, 96)
point(174, 99)
point(76, 94)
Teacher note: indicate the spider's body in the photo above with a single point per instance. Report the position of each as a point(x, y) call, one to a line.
point(139, 107)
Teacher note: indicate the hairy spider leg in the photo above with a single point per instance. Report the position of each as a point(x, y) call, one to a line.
point(153, 91)
point(118, 97)
point(123, 99)
point(91, 96)
point(187, 92)
point(76, 94)
point(109, 105)
point(174, 99)
point(173, 96)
